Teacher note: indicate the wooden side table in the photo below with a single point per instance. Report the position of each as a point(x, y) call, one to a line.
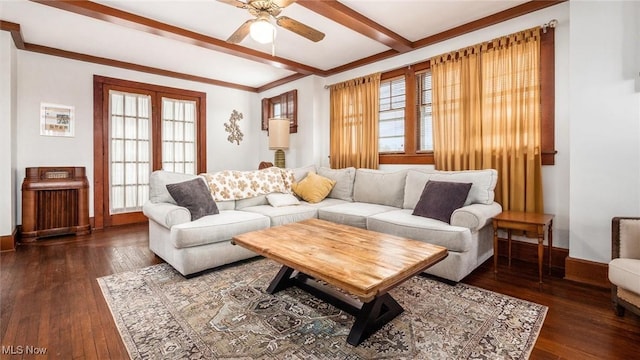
point(529, 222)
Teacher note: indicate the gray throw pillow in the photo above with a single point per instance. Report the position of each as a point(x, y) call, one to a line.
point(440, 199)
point(195, 196)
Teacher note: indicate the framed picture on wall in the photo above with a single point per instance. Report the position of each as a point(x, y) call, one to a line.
point(57, 120)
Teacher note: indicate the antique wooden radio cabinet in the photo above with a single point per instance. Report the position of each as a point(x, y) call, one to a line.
point(55, 201)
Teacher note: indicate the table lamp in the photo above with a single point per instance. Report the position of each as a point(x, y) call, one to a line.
point(279, 139)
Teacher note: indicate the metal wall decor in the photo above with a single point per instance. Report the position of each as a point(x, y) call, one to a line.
point(233, 127)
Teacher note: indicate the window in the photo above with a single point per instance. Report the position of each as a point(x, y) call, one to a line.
point(179, 135)
point(406, 137)
point(139, 128)
point(284, 105)
point(129, 151)
point(391, 120)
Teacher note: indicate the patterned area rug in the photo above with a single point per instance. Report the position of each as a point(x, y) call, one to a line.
point(226, 314)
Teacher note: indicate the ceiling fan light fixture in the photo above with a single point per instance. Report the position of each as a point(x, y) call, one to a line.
point(262, 31)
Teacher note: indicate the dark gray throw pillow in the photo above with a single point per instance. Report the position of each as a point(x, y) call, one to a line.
point(195, 196)
point(440, 199)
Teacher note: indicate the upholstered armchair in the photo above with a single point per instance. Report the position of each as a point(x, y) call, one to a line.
point(624, 268)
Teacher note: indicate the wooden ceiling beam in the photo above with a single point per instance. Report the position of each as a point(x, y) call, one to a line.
point(14, 30)
point(16, 35)
point(484, 22)
point(119, 17)
point(348, 17)
point(131, 66)
point(487, 21)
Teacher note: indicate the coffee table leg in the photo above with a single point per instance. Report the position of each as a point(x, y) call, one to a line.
point(372, 316)
point(281, 281)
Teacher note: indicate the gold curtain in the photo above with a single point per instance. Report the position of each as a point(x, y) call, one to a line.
point(487, 106)
point(455, 79)
point(354, 123)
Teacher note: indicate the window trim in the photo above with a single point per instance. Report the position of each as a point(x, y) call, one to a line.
point(290, 99)
point(547, 107)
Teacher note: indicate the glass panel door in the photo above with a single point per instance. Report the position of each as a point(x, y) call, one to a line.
point(179, 135)
point(139, 128)
point(129, 151)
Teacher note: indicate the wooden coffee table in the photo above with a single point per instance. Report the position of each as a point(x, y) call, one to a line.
point(363, 263)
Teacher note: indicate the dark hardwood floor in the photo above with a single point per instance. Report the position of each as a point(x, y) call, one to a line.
point(50, 299)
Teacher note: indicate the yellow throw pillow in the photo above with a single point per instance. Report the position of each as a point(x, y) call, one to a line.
point(313, 188)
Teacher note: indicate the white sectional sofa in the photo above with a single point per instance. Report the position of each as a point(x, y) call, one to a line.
point(371, 199)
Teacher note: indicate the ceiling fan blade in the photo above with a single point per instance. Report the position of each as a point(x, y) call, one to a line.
point(235, 3)
point(241, 32)
point(300, 28)
point(283, 3)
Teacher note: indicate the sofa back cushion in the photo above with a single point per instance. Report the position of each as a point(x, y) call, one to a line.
point(252, 201)
point(379, 187)
point(158, 181)
point(226, 205)
point(483, 183)
point(301, 172)
point(343, 188)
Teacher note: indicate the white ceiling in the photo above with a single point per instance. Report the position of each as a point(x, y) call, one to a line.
point(413, 20)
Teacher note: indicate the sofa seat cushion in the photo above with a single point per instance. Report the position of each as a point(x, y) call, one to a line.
point(352, 214)
point(216, 228)
point(625, 273)
point(436, 232)
point(284, 214)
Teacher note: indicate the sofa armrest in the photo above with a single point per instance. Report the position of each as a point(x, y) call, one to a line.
point(475, 216)
point(166, 214)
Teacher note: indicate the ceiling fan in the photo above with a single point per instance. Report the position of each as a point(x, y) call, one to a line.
point(261, 28)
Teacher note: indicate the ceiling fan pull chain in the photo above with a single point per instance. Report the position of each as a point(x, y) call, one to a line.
point(273, 42)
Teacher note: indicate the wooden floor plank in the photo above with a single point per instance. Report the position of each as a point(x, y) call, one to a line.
point(49, 297)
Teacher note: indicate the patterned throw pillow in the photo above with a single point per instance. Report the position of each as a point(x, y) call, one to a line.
point(235, 185)
point(288, 176)
point(313, 188)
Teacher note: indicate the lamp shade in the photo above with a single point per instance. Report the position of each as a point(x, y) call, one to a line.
point(278, 133)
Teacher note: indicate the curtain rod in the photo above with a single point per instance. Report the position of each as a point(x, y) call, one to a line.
point(551, 24)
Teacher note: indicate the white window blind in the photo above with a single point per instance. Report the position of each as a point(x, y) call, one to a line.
point(425, 127)
point(392, 111)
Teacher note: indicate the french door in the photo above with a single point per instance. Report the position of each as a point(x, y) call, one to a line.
point(139, 128)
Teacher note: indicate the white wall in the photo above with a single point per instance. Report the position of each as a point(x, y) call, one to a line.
point(303, 145)
point(57, 80)
point(604, 119)
point(7, 133)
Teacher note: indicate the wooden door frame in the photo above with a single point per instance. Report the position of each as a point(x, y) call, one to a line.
point(101, 85)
